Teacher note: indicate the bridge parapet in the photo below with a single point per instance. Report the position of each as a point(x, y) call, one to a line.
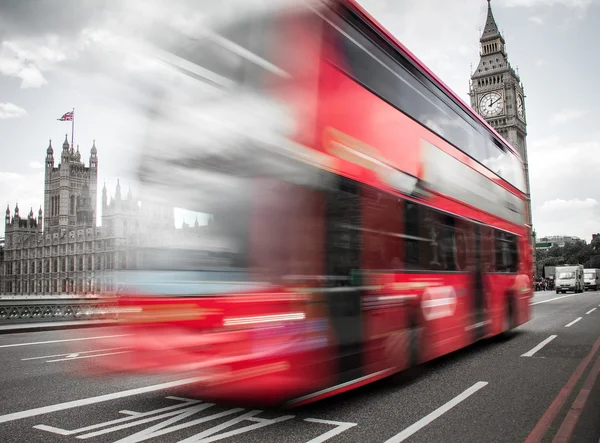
point(50, 308)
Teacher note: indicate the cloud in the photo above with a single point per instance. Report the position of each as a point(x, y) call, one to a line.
point(537, 20)
point(572, 4)
point(567, 116)
point(28, 58)
point(450, 42)
point(564, 188)
point(10, 110)
point(568, 205)
point(36, 165)
point(541, 62)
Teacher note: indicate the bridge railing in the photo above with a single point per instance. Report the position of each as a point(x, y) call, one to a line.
point(56, 308)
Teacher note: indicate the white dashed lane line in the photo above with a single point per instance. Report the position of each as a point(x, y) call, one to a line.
point(538, 347)
point(552, 299)
point(412, 429)
point(98, 399)
point(573, 322)
point(590, 311)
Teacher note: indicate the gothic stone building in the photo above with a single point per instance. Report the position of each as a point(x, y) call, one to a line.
point(62, 251)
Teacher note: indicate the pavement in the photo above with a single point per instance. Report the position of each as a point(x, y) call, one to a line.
point(541, 384)
point(52, 326)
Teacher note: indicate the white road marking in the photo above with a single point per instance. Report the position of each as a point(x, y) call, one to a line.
point(167, 420)
point(540, 346)
point(76, 357)
point(132, 416)
point(202, 436)
point(98, 399)
point(552, 299)
point(62, 341)
point(74, 354)
point(340, 427)
point(573, 322)
point(162, 427)
point(590, 311)
point(436, 414)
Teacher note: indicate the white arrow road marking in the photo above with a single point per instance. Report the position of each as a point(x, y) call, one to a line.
point(75, 356)
point(62, 341)
point(72, 355)
point(437, 413)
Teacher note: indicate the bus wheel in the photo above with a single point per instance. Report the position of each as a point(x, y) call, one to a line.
point(413, 349)
point(509, 319)
point(414, 343)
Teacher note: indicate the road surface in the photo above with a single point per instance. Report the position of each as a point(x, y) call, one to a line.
point(540, 385)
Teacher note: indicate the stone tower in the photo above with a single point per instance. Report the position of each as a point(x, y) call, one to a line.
point(70, 189)
point(497, 93)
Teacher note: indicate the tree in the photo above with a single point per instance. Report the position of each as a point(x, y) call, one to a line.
point(595, 244)
point(593, 262)
point(573, 253)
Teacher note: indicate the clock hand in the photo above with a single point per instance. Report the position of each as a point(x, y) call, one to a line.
point(497, 100)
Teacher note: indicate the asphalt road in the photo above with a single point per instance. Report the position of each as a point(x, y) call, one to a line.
point(489, 392)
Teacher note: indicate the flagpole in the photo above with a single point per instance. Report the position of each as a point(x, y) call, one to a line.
point(73, 130)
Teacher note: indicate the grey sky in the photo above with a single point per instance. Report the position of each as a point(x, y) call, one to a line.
point(60, 55)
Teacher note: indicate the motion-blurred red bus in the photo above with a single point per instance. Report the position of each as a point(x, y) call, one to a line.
point(359, 218)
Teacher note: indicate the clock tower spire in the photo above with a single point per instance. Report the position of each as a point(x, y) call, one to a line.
point(497, 93)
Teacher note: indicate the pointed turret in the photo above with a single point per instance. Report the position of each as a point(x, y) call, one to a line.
point(16, 216)
point(490, 31)
point(493, 52)
point(7, 219)
point(94, 156)
point(104, 199)
point(118, 190)
point(50, 155)
point(64, 156)
point(78, 154)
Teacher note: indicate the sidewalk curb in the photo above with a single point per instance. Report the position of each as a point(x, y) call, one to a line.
point(53, 326)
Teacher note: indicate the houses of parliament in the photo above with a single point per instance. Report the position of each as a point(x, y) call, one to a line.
point(61, 250)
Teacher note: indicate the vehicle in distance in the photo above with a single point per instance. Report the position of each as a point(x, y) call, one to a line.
point(591, 279)
point(569, 278)
point(358, 217)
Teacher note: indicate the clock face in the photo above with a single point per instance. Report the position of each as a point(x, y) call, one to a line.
point(491, 104)
point(520, 111)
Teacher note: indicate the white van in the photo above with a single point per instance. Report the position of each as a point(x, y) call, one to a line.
point(569, 278)
point(591, 279)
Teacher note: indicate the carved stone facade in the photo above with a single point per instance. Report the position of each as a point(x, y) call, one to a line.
point(62, 251)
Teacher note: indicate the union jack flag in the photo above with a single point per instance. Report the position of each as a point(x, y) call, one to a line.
point(67, 117)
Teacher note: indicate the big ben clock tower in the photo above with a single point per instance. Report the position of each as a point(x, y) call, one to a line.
point(497, 93)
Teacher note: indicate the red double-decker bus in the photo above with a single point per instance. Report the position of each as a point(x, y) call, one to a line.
point(360, 218)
